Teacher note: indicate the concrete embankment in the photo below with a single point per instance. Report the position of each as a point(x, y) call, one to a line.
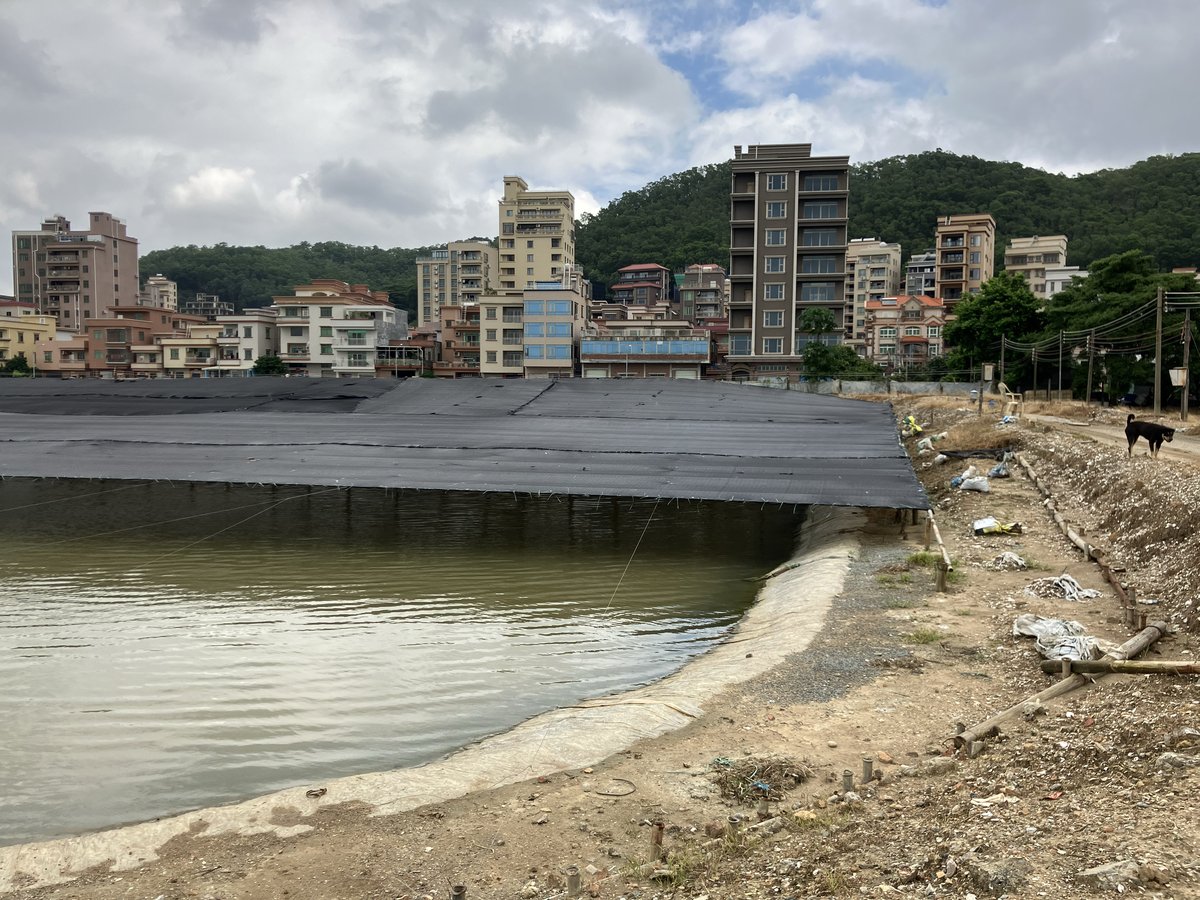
point(790, 610)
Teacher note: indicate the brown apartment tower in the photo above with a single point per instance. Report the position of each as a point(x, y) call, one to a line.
point(76, 275)
point(787, 253)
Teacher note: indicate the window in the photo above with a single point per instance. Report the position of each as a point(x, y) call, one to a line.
point(776, 237)
point(818, 209)
point(535, 308)
point(528, 244)
point(326, 312)
point(507, 244)
point(529, 271)
point(975, 254)
point(327, 349)
point(296, 331)
point(508, 212)
point(248, 331)
point(819, 264)
point(326, 331)
point(974, 274)
point(772, 345)
point(511, 358)
point(491, 356)
point(774, 264)
point(507, 228)
point(887, 332)
point(777, 209)
point(887, 349)
point(491, 313)
point(773, 292)
point(773, 318)
point(739, 344)
point(174, 353)
point(490, 334)
point(535, 329)
point(819, 237)
point(534, 351)
point(247, 354)
point(528, 257)
point(935, 331)
point(818, 292)
point(821, 183)
point(976, 240)
point(558, 351)
point(555, 242)
point(558, 329)
point(777, 182)
point(47, 356)
point(912, 331)
point(558, 308)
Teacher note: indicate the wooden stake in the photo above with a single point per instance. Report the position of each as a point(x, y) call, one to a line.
point(1127, 666)
point(990, 727)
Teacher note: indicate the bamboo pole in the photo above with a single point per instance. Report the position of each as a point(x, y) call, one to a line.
point(944, 566)
point(1125, 666)
point(991, 727)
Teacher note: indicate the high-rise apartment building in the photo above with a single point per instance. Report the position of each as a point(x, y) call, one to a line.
point(455, 275)
point(872, 273)
point(704, 292)
point(787, 254)
point(1032, 256)
point(920, 275)
point(966, 249)
point(161, 292)
point(74, 275)
point(537, 235)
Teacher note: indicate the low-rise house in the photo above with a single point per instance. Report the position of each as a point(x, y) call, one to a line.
point(331, 328)
point(22, 328)
point(643, 349)
point(905, 331)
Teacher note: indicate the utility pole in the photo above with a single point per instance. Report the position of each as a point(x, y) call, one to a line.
point(1187, 375)
point(1033, 353)
point(1087, 400)
point(1003, 343)
point(1158, 351)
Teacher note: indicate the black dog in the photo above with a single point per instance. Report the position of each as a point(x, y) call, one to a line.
point(1154, 434)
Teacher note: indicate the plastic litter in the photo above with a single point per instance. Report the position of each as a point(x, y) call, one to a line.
point(990, 525)
point(940, 458)
point(925, 443)
point(910, 427)
point(977, 483)
point(969, 472)
point(1060, 638)
point(1062, 586)
point(1008, 562)
point(999, 470)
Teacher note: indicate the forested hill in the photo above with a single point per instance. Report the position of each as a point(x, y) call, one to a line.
point(683, 218)
point(1151, 206)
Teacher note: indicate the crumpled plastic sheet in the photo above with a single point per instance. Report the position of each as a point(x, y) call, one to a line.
point(1008, 562)
point(1063, 586)
point(1060, 638)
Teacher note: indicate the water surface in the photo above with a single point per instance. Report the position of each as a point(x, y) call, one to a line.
point(165, 647)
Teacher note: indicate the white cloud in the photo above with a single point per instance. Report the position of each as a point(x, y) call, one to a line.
point(393, 122)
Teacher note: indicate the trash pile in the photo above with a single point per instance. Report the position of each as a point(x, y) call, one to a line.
point(990, 525)
point(1008, 562)
point(1062, 587)
point(1060, 638)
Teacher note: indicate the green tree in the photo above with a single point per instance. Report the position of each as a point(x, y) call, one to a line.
point(16, 366)
point(1004, 307)
point(269, 365)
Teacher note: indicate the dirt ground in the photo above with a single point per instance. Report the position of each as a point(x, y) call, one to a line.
point(1092, 794)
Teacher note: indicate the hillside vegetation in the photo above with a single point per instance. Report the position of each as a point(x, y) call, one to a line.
point(684, 218)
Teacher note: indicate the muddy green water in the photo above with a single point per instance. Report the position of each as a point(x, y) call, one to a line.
point(165, 647)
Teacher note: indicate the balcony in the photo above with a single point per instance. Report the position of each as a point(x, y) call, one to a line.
point(192, 359)
point(528, 229)
point(954, 241)
point(293, 318)
point(512, 318)
point(295, 352)
point(63, 258)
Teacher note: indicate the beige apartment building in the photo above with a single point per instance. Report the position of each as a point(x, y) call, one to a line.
point(1032, 256)
point(872, 273)
point(966, 249)
point(537, 235)
point(22, 327)
point(161, 292)
point(331, 328)
point(788, 213)
point(455, 275)
point(75, 275)
point(920, 275)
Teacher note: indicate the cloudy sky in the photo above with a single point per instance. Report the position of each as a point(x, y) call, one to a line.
point(392, 122)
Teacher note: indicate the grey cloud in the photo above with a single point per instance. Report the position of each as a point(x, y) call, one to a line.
point(229, 21)
point(369, 186)
point(548, 90)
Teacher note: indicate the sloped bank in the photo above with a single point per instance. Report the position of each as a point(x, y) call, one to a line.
point(790, 609)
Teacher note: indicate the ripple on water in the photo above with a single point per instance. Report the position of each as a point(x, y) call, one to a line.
point(172, 666)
